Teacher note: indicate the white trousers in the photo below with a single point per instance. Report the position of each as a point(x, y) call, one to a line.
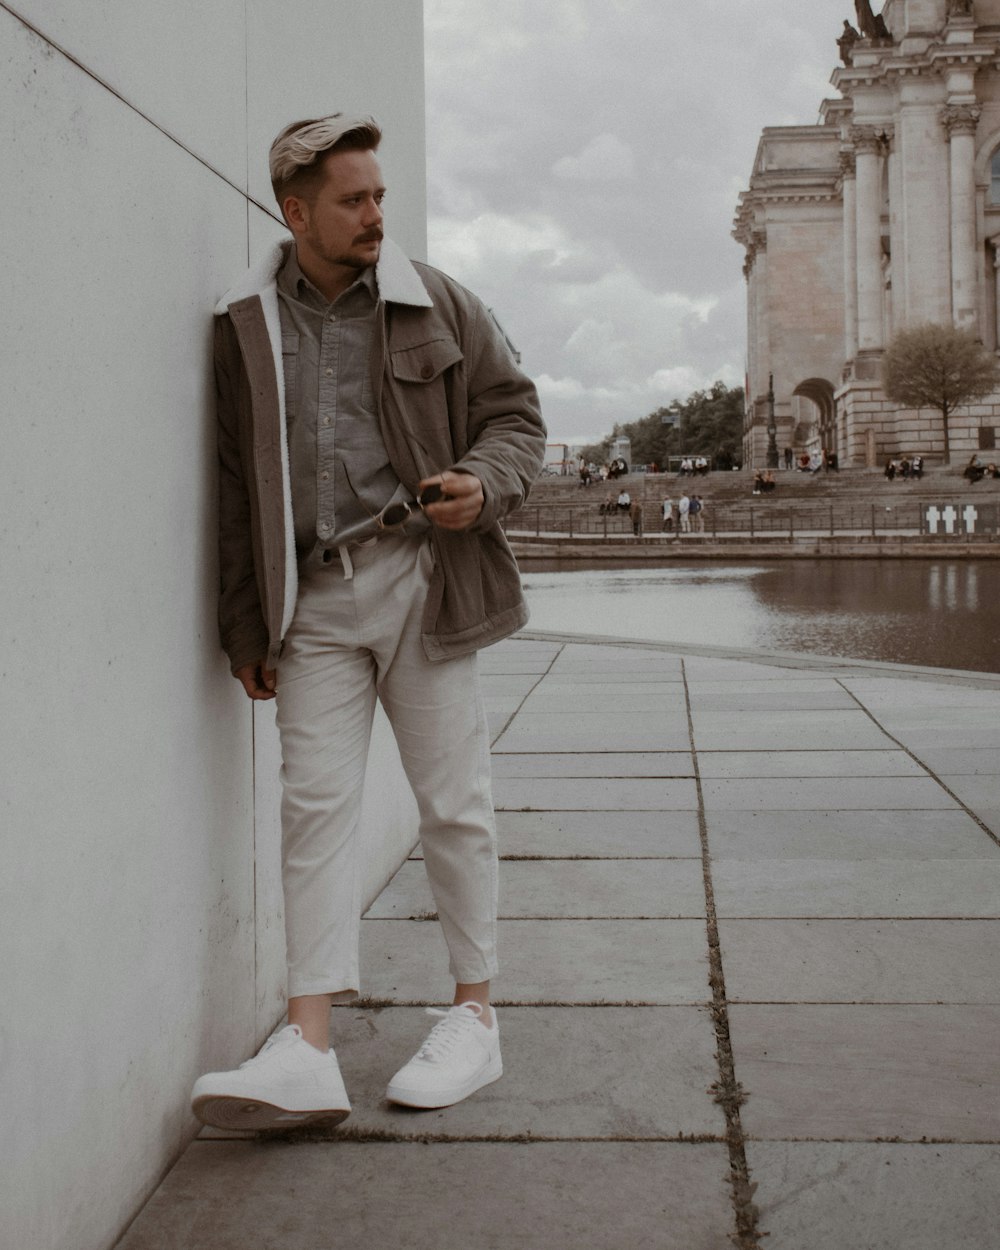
point(354, 639)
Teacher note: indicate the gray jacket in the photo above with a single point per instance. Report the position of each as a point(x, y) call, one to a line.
point(449, 396)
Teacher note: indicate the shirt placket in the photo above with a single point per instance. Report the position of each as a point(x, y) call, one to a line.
point(331, 346)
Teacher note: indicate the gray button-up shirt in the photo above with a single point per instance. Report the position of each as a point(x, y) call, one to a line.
point(340, 472)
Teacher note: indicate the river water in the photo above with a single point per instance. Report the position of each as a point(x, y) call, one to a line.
point(942, 613)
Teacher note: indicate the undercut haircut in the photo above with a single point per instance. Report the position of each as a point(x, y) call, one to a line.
point(296, 154)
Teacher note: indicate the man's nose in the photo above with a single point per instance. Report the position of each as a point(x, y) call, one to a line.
point(374, 215)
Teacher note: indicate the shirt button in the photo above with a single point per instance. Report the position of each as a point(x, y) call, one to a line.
point(427, 371)
point(329, 373)
point(326, 420)
point(324, 477)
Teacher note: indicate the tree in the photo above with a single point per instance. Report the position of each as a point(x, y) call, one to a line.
point(937, 366)
point(708, 423)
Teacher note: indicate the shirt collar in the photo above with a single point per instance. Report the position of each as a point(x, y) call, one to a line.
point(292, 281)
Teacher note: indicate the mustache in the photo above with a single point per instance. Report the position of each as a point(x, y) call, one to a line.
point(370, 236)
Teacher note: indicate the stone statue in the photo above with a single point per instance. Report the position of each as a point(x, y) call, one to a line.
point(847, 41)
point(871, 27)
point(960, 8)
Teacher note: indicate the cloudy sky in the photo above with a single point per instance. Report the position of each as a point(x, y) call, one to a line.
point(585, 159)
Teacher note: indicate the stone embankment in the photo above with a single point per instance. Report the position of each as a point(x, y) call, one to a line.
point(854, 514)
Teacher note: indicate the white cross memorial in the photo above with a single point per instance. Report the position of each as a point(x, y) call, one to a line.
point(933, 516)
point(969, 515)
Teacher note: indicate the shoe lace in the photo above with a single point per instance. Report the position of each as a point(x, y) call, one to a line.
point(282, 1039)
point(447, 1034)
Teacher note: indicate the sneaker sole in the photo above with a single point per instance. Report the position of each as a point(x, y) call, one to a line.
point(250, 1115)
point(428, 1100)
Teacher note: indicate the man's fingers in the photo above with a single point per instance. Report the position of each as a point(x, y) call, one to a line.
point(464, 502)
point(258, 682)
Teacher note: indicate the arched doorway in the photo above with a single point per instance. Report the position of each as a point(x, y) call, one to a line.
point(816, 418)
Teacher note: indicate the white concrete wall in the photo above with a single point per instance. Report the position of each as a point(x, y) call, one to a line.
point(140, 904)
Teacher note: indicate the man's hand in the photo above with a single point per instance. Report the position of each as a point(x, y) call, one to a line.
point(464, 503)
point(259, 682)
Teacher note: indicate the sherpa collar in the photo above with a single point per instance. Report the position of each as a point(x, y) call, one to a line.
point(398, 281)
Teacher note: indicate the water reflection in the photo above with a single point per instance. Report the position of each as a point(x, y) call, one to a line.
point(941, 613)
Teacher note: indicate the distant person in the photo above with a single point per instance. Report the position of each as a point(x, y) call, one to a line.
point(635, 512)
point(769, 482)
point(758, 483)
point(890, 470)
point(918, 467)
point(973, 471)
point(624, 501)
point(788, 457)
point(683, 513)
point(696, 511)
point(608, 506)
point(668, 515)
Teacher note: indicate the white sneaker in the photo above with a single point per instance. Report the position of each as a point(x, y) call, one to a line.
point(459, 1056)
point(288, 1083)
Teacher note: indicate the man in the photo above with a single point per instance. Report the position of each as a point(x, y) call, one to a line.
point(373, 431)
point(683, 509)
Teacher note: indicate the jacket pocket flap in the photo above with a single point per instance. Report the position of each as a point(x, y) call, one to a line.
point(426, 361)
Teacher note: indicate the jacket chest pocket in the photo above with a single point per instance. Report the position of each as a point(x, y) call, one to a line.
point(418, 373)
point(290, 369)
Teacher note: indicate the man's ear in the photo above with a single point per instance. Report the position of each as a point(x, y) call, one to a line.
point(296, 213)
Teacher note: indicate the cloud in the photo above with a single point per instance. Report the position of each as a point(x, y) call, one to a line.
point(604, 159)
point(584, 161)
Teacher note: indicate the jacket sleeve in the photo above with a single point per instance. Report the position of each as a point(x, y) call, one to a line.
point(505, 426)
point(241, 621)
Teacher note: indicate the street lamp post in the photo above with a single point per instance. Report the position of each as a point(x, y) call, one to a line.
point(772, 429)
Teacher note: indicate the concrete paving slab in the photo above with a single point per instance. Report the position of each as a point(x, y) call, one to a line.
point(666, 680)
point(845, 793)
point(615, 794)
point(828, 1195)
point(601, 834)
point(593, 700)
point(761, 680)
point(970, 719)
point(879, 693)
point(865, 888)
point(748, 700)
point(589, 734)
point(863, 961)
point(850, 734)
point(372, 1195)
point(928, 736)
point(597, 657)
point(966, 761)
point(845, 835)
point(616, 1072)
point(975, 791)
point(864, 1072)
point(658, 889)
point(597, 764)
point(879, 763)
point(547, 961)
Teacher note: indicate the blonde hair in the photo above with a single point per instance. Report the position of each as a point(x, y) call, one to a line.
point(294, 158)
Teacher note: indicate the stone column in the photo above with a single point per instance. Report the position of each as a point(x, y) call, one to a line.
point(996, 293)
point(960, 121)
point(849, 192)
point(868, 166)
point(761, 318)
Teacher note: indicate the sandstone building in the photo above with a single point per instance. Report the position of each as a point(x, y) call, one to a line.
point(883, 216)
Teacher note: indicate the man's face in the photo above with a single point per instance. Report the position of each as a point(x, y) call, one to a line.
point(341, 225)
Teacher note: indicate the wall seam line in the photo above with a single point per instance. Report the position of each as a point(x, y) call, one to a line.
point(95, 77)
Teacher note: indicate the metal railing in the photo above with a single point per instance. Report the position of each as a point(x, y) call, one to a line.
point(947, 517)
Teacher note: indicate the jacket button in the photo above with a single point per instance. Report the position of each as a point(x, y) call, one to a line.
point(426, 371)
